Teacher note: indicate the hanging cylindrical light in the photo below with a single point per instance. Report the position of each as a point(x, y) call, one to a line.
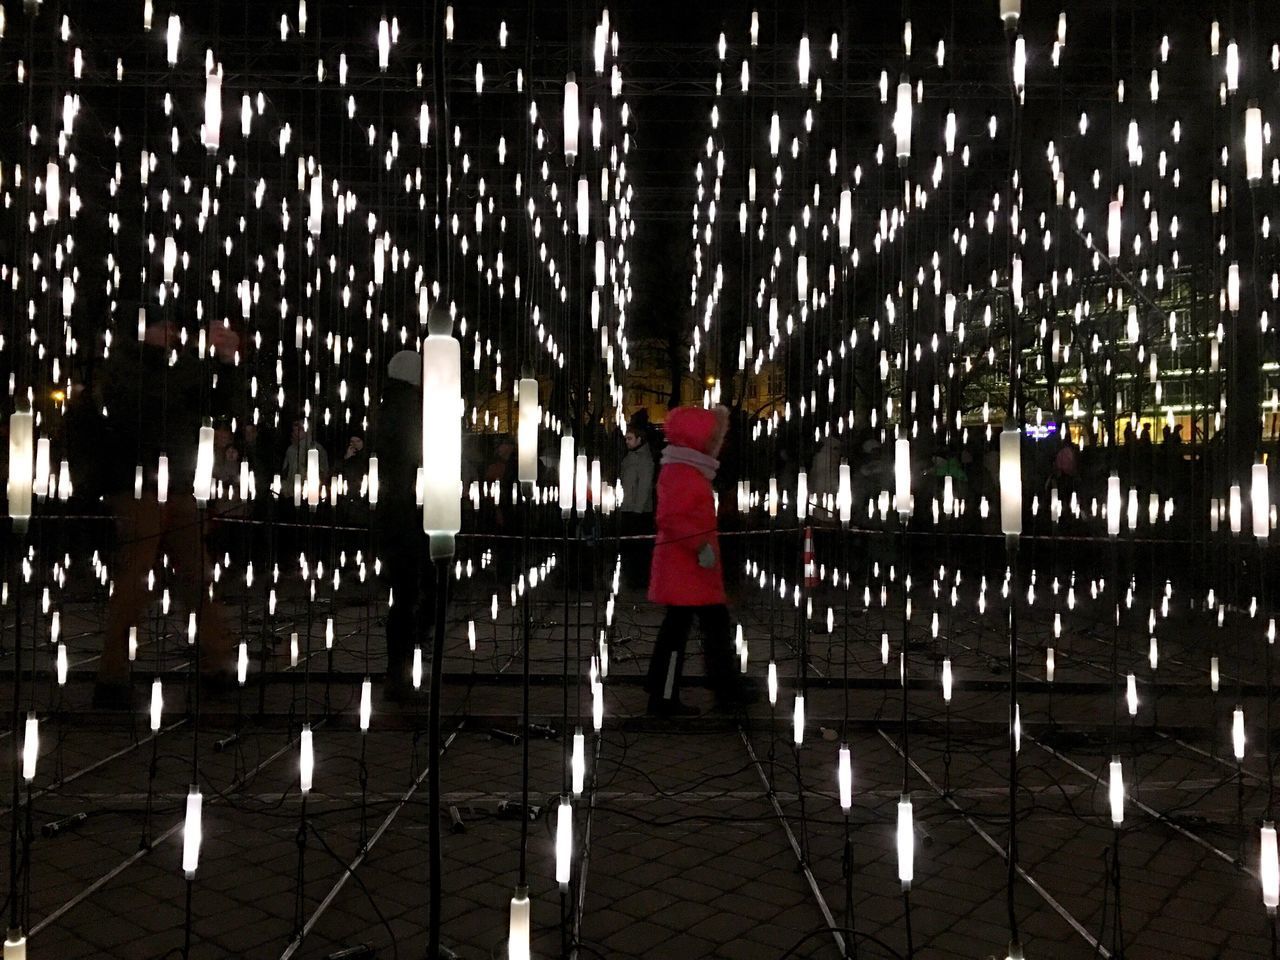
point(946, 679)
point(844, 778)
point(797, 720)
point(1259, 501)
point(306, 759)
point(1113, 505)
point(580, 480)
point(384, 45)
point(52, 191)
point(1113, 229)
point(584, 206)
point(1253, 143)
point(566, 474)
point(313, 483)
point(173, 37)
point(906, 842)
point(192, 833)
point(30, 747)
point(771, 683)
point(157, 704)
point(902, 477)
point(571, 120)
point(518, 927)
point(374, 481)
point(204, 466)
point(902, 121)
point(1115, 791)
point(527, 432)
point(1010, 11)
point(564, 842)
point(844, 494)
point(315, 207)
point(40, 485)
point(1237, 732)
point(1214, 676)
point(1131, 694)
point(1011, 481)
point(15, 945)
point(845, 220)
point(442, 435)
point(1269, 867)
point(802, 495)
point(578, 762)
point(213, 111)
point(21, 466)
point(1235, 508)
point(366, 704)
point(1233, 287)
point(170, 258)
point(596, 483)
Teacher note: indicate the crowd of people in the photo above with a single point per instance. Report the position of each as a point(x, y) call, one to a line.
point(685, 473)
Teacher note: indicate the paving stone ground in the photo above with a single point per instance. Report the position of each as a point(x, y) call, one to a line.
point(686, 854)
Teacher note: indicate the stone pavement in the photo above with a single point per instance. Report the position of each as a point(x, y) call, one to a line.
point(681, 852)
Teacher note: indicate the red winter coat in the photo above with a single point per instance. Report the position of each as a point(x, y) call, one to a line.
point(686, 518)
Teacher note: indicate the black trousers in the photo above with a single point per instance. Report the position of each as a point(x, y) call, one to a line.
point(667, 662)
point(637, 555)
point(411, 576)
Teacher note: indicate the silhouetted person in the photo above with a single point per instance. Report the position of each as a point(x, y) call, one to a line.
point(155, 407)
point(402, 545)
point(636, 514)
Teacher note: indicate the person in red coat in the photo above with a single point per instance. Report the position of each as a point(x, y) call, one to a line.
point(686, 575)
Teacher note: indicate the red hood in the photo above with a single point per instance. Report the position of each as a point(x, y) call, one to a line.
point(691, 427)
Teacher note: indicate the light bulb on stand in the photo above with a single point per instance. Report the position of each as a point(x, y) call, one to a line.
point(157, 703)
point(30, 747)
point(1269, 868)
point(1011, 480)
point(518, 928)
point(15, 945)
point(902, 477)
point(906, 842)
point(844, 777)
point(21, 467)
point(527, 433)
point(571, 120)
point(578, 762)
point(1115, 791)
point(306, 759)
point(442, 435)
point(192, 834)
point(564, 842)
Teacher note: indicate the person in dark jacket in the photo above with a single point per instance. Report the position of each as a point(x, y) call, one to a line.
point(155, 407)
point(635, 517)
point(686, 575)
point(398, 521)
